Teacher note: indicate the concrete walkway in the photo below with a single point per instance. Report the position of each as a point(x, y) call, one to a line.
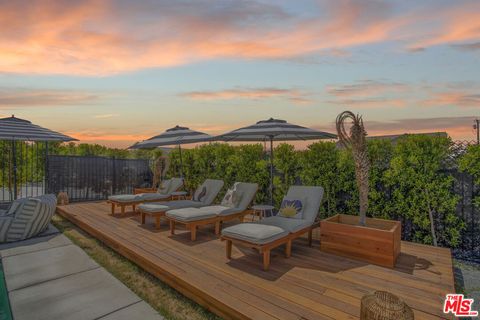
point(49, 277)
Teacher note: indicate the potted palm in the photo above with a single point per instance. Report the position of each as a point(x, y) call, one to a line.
point(375, 241)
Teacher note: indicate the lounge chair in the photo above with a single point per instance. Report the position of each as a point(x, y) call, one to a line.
point(272, 232)
point(192, 218)
point(203, 196)
point(164, 192)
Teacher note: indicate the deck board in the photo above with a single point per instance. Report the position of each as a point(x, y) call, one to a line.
point(309, 285)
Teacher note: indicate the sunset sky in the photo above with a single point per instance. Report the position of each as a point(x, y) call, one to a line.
point(114, 72)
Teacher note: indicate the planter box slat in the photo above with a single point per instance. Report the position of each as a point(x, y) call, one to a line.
point(378, 242)
point(377, 246)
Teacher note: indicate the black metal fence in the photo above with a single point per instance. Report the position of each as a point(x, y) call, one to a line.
point(465, 187)
point(87, 178)
point(22, 170)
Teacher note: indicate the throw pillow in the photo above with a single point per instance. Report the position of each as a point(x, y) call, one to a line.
point(200, 194)
point(227, 200)
point(163, 187)
point(237, 198)
point(291, 208)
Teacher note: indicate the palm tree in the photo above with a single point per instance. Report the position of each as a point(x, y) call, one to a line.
point(356, 142)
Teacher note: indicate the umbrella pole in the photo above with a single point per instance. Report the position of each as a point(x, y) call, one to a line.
point(271, 171)
point(181, 161)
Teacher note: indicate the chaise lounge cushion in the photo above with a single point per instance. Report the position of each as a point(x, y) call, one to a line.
point(138, 197)
point(190, 214)
point(288, 224)
point(170, 186)
point(254, 232)
point(211, 186)
point(169, 205)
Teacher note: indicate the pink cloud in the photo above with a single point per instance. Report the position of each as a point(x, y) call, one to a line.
point(456, 98)
point(293, 95)
point(366, 88)
point(369, 94)
point(23, 97)
point(99, 37)
point(453, 25)
point(102, 37)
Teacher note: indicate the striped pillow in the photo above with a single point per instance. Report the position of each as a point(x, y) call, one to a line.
point(31, 218)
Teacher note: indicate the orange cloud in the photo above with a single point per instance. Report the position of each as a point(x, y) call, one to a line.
point(460, 99)
point(293, 95)
point(366, 88)
point(371, 103)
point(101, 37)
point(105, 116)
point(368, 94)
point(454, 25)
point(108, 139)
point(15, 97)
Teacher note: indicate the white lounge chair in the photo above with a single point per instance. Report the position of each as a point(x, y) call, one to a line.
point(204, 195)
point(192, 218)
point(272, 232)
point(164, 192)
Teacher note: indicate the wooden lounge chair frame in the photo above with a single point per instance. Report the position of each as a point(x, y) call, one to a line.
point(217, 221)
point(157, 215)
point(123, 204)
point(264, 249)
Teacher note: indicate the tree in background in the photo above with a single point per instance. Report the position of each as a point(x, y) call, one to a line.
point(421, 191)
point(380, 154)
point(286, 163)
point(319, 168)
point(470, 163)
point(249, 165)
point(86, 149)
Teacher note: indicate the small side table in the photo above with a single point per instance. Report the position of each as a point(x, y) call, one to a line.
point(179, 195)
point(261, 210)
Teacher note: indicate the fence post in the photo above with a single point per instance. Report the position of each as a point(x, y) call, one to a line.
point(114, 176)
point(45, 184)
point(14, 161)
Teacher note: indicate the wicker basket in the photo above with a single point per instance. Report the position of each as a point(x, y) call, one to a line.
point(382, 305)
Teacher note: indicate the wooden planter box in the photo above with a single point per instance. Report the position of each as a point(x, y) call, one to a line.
point(378, 242)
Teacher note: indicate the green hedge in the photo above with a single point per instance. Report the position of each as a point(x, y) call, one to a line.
point(406, 180)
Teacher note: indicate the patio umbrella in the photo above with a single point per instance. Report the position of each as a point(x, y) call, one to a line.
point(16, 129)
point(274, 130)
point(174, 136)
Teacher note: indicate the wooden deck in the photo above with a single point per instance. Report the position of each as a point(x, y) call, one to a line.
point(309, 285)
